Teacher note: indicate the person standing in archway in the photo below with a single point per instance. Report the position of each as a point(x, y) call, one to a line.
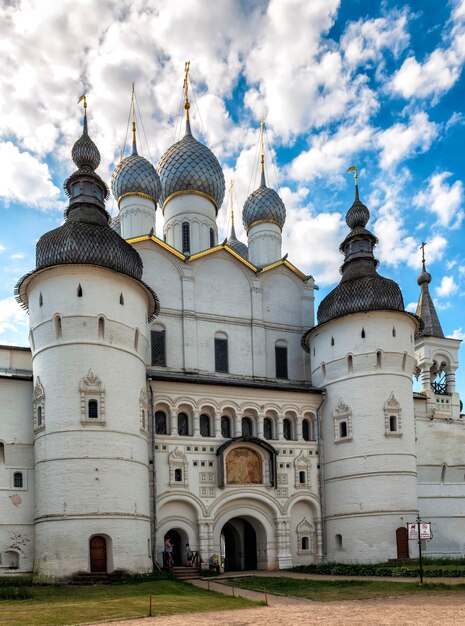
point(168, 554)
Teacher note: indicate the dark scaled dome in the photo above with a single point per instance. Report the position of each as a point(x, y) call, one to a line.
point(263, 204)
point(361, 287)
point(236, 245)
point(84, 151)
point(135, 175)
point(189, 165)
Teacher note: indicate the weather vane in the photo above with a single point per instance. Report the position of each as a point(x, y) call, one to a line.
point(187, 106)
point(355, 171)
point(83, 98)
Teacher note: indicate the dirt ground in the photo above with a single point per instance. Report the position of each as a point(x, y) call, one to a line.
point(405, 611)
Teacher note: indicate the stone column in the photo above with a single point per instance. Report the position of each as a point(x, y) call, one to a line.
point(217, 425)
point(174, 422)
point(283, 543)
point(237, 425)
point(260, 418)
point(196, 424)
point(450, 380)
point(425, 375)
point(298, 429)
point(280, 427)
point(319, 540)
point(204, 542)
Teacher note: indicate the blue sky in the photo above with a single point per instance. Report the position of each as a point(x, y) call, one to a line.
point(377, 84)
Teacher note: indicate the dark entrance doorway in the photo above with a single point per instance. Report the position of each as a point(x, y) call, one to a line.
point(178, 549)
point(402, 544)
point(98, 554)
point(240, 545)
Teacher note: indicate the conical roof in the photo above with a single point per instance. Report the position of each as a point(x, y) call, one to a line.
point(425, 307)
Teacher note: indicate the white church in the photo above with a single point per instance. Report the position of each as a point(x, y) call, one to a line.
point(181, 387)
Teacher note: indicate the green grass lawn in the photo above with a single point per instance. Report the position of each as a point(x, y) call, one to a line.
point(329, 590)
point(61, 605)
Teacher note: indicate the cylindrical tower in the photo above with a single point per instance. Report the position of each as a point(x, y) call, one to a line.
point(362, 353)
point(88, 318)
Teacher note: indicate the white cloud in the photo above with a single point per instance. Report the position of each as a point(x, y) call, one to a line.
point(458, 333)
point(13, 320)
point(441, 69)
point(443, 200)
point(447, 287)
point(402, 141)
point(17, 256)
point(329, 154)
point(411, 307)
point(364, 41)
point(25, 179)
point(2, 248)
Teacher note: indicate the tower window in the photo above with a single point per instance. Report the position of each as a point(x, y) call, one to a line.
point(221, 355)
point(363, 333)
point(79, 291)
point(58, 327)
point(186, 238)
point(342, 429)
point(212, 238)
point(160, 423)
point(158, 347)
point(205, 430)
point(281, 361)
point(41, 299)
point(101, 328)
point(39, 416)
point(392, 423)
point(121, 299)
point(18, 480)
point(92, 409)
point(225, 427)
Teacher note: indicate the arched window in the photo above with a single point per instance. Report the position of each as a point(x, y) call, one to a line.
point(225, 427)
point(101, 328)
point(2, 452)
point(186, 238)
point(393, 423)
point(342, 429)
point(306, 430)
point(287, 429)
point(378, 359)
point(221, 354)
point(136, 339)
point(268, 428)
point(281, 361)
point(323, 371)
point(350, 364)
point(92, 409)
point(39, 416)
point(161, 427)
point(183, 424)
point(18, 480)
point(58, 327)
point(363, 334)
point(246, 427)
point(338, 539)
point(205, 430)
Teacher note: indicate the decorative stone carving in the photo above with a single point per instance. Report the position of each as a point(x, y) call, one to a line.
point(178, 468)
point(342, 422)
point(92, 389)
point(305, 537)
point(144, 410)
point(392, 417)
point(38, 405)
point(302, 466)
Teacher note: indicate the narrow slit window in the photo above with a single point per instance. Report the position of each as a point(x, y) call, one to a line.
point(186, 238)
point(101, 328)
point(58, 327)
point(281, 362)
point(342, 429)
point(225, 427)
point(268, 428)
point(121, 299)
point(212, 238)
point(79, 291)
point(221, 355)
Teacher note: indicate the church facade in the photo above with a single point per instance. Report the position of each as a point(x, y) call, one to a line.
point(180, 387)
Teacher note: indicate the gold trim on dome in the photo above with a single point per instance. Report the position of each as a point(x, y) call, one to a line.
point(189, 191)
point(137, 193)
point(160, 243)
point(264, 222)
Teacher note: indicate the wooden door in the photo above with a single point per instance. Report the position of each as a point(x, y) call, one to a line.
point(98, 554)
point(402, 544)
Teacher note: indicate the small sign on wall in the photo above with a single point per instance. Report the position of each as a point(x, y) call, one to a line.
point(425, 531)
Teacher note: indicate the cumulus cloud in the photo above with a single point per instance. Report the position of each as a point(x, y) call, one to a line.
point(458, 333)
point(365, 40)
point(440, 70)
point(402, 141)
point(13, 321)
point(25, 179)
point(447, 287)
point(444, 200)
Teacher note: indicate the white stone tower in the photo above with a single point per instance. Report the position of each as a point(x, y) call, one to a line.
point(263, 217)
point(193, 188)
point(136, 187)
point(88, 313)
point(362, 353)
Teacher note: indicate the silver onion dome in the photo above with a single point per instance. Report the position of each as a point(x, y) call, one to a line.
point(189, 166)
point(135, 175)
point(265, 205)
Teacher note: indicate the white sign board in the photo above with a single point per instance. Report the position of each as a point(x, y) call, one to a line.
point(425, 531)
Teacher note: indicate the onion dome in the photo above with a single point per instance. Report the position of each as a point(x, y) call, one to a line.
point(236, 245)
point(361, 287)
point(189, 166)
point(263, 205)
point(425, 307)
point(84, 151)
point(135, 176)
